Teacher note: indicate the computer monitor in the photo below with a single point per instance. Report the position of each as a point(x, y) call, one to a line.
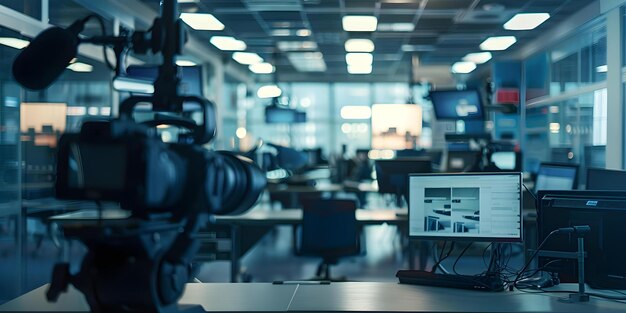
point(605, 213)
point(392, 175)
point(471, 206)
point(462, 161)
point(556, 176)
point(603, 179)
point(457, 104)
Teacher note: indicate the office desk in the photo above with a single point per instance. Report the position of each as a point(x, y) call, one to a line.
point(261, 217)
point(254, 217)
point(339, 297)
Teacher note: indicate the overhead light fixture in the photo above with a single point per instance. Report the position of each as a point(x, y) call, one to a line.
point(269, 91)
point(359, 23)
point(463, 67)
point(227, 43)
point(396, 27)
point(76, 111)
point(418, 48)
point(359, 58)
point(128, 84)
point(296, 45)
point(359, 45)
point(307, 61)
point(80, 67)
point(526, 21)
point(478, 58)
point(14, 42)
point(186, 63)
point(188, 1)
point(356, 112)
point(360, 69)
point(281, 32)
point(202, 21)
point(498, 43)
point(602, 69)
point(247, 58)
point(303, 32)
point(262, 68)
point(241, 132)
point(282, 24)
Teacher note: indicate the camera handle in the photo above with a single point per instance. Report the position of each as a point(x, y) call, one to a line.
point(201, 133)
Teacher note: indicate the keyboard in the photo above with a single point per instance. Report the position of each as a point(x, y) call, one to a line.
point(425, 278)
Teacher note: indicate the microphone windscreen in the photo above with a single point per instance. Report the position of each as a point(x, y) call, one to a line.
point(45, 59)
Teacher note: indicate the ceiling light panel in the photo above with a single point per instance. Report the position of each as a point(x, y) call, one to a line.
point(185, 63)
point(303, 33)
point(478, 58)
point(360, 69)
point(14, 42)
point(498, 43)
point(80, 67)
point(307, 61)
point(227, 43)
point(463, 67)
point(269, 91)
point(396, 27)
point(359, 23)
point(359, 45)
point(262, 68)
point(526, 21)
point(359, 58)
point(202, 21)
point(247, 58)
point(296, 45)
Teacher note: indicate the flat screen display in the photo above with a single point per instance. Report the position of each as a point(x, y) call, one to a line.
point(556, 177)
point(457, 105)
point(477, 206)
point(603, 179)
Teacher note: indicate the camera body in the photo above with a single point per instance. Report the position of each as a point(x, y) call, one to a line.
point(126, 162)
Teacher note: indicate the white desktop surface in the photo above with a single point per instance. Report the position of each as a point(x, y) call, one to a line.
point(340, 297)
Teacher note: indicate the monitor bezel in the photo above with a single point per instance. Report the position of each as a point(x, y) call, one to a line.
point(479, 117)
point(474, 239)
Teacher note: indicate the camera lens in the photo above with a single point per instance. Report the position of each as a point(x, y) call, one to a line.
point(243, 183)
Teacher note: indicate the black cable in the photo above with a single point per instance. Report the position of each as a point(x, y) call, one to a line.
point(441, 257)
point(517, 278)
point(100, 21)
point(530, 192)
point(459, 257)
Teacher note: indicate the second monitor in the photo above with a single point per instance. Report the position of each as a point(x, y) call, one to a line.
point(477, 206)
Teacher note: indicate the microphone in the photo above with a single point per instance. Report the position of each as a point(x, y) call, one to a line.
point(47, 56)
point(579, 229)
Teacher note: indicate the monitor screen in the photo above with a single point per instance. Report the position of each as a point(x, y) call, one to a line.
point(603, 179)
point(605, 213)
point(457, 104)
point(278, 115)
point(392, 175)
point(556, 177)
point(477, 206)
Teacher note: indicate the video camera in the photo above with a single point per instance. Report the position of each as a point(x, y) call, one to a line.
point(142, 263)
point(127, 162)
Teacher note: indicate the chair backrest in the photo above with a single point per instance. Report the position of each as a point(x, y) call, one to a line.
point(329, 228)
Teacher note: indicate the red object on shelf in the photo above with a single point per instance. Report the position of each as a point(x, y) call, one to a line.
point(507, 96)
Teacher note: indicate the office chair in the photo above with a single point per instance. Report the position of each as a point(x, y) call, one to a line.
point(329, 230)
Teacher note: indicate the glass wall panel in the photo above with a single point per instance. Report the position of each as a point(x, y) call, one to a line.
point(568, 131)
point(353, 129)
point(10, 202)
